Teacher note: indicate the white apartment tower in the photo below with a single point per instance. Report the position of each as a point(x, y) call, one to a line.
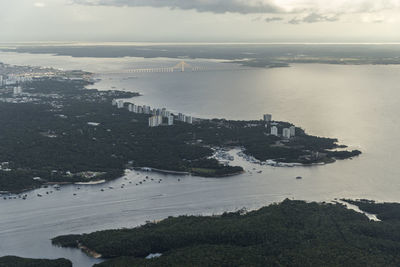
point(286, 133)
point(155, 121)
point(120, 104)
point(274, 130)
point(292, 131)
point(170, 120)
point(267, 117)
point(189, 119)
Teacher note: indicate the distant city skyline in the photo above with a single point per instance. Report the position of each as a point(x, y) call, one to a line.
point(315, 21)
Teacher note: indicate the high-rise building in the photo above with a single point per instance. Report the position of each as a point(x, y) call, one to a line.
point(274, 130)
point(181, 117)
point(267, 117)
point(120, 104)
point(148, 110)
point(189, 119)
point(286, 133)
point(170, 120)
point(130, 107)
point(292, 131)
point(114, 102)
point(155, 121)
point(17, 90)
point(164, 112)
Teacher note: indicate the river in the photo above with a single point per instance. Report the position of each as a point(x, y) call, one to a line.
point(359, 105)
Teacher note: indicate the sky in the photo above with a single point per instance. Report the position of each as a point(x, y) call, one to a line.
point(371, 21)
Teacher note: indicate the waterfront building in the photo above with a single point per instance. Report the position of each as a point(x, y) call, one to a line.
point(114, 102)
point(140, 110)
point(155, 121)
point(146, 109)
point(274, 130)
point(292, 131)
point(189, 119)
point(286, 133)
point(17, 90)
point(170, 120)
point(181, 117)
point(267, 117)
point(120, 104)
point(164, 112)
point(130, 107)
point(1, 80)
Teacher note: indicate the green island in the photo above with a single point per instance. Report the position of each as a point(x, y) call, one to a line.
point(291, 233)
point(57, 131)
point(12, 261)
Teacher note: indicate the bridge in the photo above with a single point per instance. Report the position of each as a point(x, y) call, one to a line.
point(180, 67)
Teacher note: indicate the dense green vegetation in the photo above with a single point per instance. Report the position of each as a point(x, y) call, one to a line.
point(293, 233)
point(384, 211)
point(53, 140)
point(11, 261)
point(65, 132)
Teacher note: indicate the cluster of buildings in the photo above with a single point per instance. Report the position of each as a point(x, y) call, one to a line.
point(13, 80)
point(5, 166)
point(17, 90)
point(159, 117)
point(287, 133)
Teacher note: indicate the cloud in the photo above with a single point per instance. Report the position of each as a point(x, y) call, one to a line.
point(298, 11)
point(273, 19)
point(39, 4)
point(314, 18)
point(214, 6)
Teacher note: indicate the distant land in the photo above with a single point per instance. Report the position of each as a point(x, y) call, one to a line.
point(249, 55)
point(55, 131)
point(292, 233)
point(12, 261)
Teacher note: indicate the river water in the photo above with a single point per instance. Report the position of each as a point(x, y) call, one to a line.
point(359, 105)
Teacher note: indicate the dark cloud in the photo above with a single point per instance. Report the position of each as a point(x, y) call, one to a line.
point(273, 19)
point(313, 18)
point(215, 6)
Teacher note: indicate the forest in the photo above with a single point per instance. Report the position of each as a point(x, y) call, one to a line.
point(291, 233)
point(11, 261)
point(66, 131)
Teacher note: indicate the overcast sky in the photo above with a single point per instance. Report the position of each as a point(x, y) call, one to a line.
point(200, 20)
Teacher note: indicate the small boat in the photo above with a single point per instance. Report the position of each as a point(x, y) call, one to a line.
point(39, 195)
point(259, 172)
point(102, 190)
point(299, 177)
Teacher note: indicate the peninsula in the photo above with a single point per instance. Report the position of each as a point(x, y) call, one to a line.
point(57, 131)
point(292, 233)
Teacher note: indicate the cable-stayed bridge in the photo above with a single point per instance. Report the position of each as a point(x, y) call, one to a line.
point(180, 67)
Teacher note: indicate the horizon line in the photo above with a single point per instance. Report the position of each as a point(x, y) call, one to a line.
point(142, 43)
